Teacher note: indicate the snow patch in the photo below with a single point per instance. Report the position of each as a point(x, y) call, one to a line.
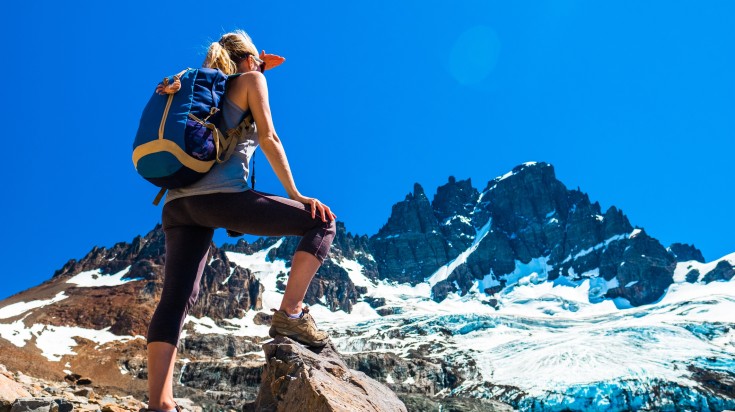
point(95, 278)
point(57, 341)
point(446, 270)
point(263, 270)
point(595, 247)
point(21, 307)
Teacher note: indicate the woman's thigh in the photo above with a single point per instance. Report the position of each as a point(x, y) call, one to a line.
point(254, 213)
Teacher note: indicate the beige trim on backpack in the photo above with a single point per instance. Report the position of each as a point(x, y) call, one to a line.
point(163, 145)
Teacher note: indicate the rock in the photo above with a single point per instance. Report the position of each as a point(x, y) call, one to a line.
point(34, 405)
point(692, 276)
point(86, 392)
point(333, 286)
point(52, 390)
point(647, 272)
point(64, 405)
point(187, 404)
point(84, 381)
point(297, 378)
point(72, 377)
point(24, 379)
point(241, 374)
point(724, 271)
point(216, 346)
point(11, 390)
point(262, 318)
point(112, 408)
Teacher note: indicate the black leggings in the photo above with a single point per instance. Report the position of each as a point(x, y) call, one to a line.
point(189, 224)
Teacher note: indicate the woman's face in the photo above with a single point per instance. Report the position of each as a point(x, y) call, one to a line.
point(256, 63)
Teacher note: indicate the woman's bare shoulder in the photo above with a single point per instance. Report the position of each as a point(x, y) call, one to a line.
point(240, 86)
point(252, 78)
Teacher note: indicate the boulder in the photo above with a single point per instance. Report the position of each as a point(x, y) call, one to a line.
point(297, 378)
point(41, 405)
point(10, 390)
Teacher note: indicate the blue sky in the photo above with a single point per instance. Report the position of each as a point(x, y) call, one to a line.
point(631, 101)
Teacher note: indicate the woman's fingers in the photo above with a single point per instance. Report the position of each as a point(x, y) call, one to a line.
point(329, 213)
point(324, 211)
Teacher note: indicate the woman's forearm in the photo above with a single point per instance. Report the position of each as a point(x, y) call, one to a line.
point(276, 155)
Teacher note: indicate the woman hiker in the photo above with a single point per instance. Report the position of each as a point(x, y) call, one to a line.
point(223, 199)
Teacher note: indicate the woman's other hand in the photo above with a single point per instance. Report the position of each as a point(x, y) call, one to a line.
point(271, 60)
point(316, 206)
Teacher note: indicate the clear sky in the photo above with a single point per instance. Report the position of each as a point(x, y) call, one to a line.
point(633, 102)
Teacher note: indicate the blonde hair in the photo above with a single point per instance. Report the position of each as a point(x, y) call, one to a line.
point(230, 50)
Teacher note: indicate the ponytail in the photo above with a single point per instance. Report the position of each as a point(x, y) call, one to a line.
point(219, 58)
point(229, 51)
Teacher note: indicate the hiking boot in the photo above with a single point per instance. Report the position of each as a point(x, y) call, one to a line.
point(302, 330)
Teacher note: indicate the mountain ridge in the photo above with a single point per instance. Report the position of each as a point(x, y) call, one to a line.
point(479, 251)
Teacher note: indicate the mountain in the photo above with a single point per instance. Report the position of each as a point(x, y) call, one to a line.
point(524, 292)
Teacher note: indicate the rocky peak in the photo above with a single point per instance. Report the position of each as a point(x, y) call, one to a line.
point(410, 246)
point(683, 252)
point(456, 198)
point(529, 193)
point(614, 222)
point(413, 215)
point(150, 247)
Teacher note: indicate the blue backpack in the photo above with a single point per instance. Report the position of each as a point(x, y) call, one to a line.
point(179, 138)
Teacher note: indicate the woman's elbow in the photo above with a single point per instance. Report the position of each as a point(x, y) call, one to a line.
point(268, 140)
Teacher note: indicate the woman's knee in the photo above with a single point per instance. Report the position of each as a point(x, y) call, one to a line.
point(330, 231)
point(332, 227)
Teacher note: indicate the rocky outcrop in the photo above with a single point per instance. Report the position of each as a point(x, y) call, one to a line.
point(645, 270)
point(297, 378)
point(150, 247)
point(724, 271)
point(227, 290)
point(453, 205)
point(683, 252)
point(410, 246)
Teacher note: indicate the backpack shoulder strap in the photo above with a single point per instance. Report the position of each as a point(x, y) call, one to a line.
point(159, 196)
